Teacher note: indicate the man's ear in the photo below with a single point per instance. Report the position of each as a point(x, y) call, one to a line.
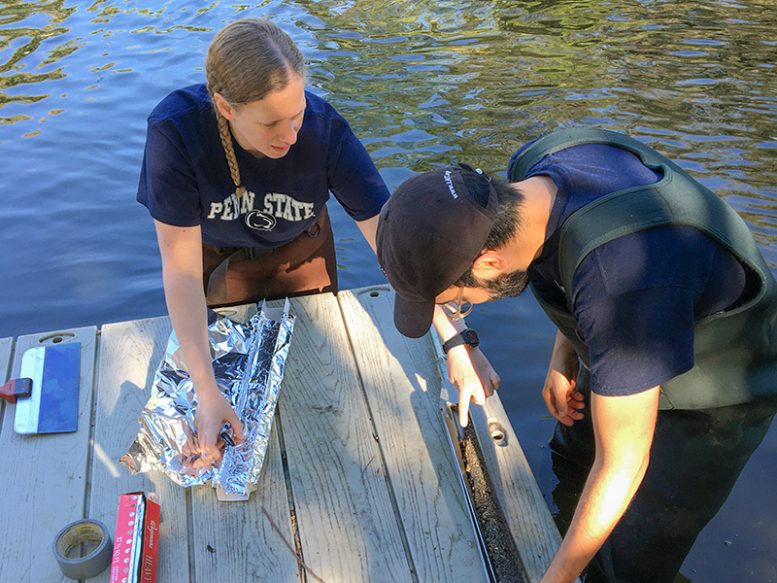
point(223, 107)
point(488, 264)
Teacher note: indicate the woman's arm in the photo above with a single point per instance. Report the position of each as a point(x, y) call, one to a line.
point(369, 228)
point(181, 250)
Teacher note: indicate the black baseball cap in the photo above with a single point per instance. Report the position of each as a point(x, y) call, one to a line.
point(430, 232)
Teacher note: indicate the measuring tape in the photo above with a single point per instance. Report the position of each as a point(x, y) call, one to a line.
point(75, 534)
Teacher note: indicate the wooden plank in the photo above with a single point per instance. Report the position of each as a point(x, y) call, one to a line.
point(531, 524)
point(403, 391)
point(44, 476)
point(129, 355)
point(237, 541)
point(345, 514)
point(6, 345)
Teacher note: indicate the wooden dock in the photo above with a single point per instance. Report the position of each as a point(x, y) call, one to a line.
point(359, 483)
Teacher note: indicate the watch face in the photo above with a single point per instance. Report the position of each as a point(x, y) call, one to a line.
point(470, 337)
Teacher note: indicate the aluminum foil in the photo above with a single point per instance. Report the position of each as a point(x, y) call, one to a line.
point(248, 361)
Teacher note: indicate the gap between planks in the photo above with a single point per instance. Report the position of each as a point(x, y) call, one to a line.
point(7, 349)
point(90, 439)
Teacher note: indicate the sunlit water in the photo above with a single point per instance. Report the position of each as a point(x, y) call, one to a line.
point(423, 83)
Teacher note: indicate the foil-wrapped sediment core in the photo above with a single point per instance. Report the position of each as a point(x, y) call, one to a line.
point(248, 362)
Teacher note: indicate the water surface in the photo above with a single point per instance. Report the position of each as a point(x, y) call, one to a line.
point(423, 84)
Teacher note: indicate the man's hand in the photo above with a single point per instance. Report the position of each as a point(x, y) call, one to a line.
point(562, 398)
point(560, 393)
point(213, 410)
point(468, 368)
point(472, 374)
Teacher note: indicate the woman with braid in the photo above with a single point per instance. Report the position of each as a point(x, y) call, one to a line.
point(236, 174)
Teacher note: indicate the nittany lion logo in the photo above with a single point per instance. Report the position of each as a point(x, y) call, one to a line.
point(260, 221)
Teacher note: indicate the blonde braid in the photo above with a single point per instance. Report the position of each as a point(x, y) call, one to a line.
point(226, 141)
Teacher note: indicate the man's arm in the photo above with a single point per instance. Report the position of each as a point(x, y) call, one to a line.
point(623, 428)
point(469, 370)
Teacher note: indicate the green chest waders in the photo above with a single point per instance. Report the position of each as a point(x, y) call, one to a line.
point(735, 351)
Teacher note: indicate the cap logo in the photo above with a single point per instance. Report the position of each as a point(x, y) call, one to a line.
point(449, 182)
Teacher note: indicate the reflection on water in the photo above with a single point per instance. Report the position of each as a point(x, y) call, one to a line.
point(424, 83)
point(25, 28)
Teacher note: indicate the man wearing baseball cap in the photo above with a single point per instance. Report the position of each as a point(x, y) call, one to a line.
point(663, 376)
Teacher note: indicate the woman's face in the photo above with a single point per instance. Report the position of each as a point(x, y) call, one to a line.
point(268, 126)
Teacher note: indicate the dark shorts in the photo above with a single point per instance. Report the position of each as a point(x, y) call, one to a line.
point(695, 459)
point(308, 264)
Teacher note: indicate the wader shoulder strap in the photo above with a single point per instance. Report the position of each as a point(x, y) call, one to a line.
point(563, 139)
point(675, 199)
point(671, 201)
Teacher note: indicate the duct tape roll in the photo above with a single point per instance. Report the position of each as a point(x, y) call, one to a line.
point(75, 534)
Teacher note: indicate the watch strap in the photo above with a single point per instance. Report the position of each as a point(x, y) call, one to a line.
point(467, 336)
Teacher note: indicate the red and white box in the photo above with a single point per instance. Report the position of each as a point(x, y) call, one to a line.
point(135, 540)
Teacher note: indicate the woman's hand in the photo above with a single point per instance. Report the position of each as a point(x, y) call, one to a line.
point(472, 374)
point(192, 461)
point(560, 393)
point(213, 411)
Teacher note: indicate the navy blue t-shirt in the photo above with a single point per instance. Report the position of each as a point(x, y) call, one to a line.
point(636, 298)
point(185, 179)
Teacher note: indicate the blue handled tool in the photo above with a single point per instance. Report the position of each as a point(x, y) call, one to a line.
point(52, 406)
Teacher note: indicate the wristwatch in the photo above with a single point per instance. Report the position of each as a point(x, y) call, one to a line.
point(467, 336)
